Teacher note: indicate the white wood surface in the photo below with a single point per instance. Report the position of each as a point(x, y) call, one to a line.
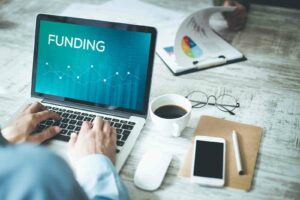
point(267, 86)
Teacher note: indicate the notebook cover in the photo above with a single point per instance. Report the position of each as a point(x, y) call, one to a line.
point(249, 139)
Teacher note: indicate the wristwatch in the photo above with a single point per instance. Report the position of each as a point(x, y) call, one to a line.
point(3, 141)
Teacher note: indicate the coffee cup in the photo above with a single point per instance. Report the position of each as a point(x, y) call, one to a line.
point(170, 113)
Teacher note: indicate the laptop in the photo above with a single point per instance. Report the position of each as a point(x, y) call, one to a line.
point(86, 68)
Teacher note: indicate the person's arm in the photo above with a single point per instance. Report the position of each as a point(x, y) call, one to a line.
point(25, 174)
point(92, 154)
point(245, 3)
point(98, 177)
point(237, 19)
point(94, 148)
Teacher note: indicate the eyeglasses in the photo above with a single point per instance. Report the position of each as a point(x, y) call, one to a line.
point(224, 102)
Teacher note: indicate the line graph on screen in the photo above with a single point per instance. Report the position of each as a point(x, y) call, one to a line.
point(89, 75)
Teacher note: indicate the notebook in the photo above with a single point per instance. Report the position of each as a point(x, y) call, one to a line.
point(249, 137)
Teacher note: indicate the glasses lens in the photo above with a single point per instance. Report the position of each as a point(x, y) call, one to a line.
point(226, 103)
point(198, 99)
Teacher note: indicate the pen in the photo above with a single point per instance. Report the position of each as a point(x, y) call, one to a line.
point(210, 61)
point(238, 161)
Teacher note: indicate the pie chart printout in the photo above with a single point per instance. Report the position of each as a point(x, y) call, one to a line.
point(190, 48)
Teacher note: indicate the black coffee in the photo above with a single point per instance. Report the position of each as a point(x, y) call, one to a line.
point(170, 111)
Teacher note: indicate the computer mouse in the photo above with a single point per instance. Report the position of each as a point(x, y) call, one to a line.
point(152, 169)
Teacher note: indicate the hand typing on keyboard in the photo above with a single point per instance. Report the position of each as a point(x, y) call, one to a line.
point(93, 138)
point(21, 129)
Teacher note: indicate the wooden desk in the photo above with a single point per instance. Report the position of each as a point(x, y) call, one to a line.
point(267, 86)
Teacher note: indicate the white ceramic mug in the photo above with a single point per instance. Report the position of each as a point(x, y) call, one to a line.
point(176, 125)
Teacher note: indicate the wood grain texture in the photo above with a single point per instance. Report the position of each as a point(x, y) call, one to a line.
point(267, 86)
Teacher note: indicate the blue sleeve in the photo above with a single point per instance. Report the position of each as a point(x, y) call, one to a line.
point(32, 172)
point(98, 177)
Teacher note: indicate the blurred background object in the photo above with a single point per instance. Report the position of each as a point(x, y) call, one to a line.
point(279, 3)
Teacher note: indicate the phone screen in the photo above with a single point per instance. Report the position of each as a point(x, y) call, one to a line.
point(209, 159)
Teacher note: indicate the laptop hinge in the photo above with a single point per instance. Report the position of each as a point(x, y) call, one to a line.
point(99, 110)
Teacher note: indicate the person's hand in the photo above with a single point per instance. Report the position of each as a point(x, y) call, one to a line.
point(21, 128)
point(237, 19)
point(96, 138)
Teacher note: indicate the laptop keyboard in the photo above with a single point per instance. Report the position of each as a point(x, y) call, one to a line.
point(71, 121)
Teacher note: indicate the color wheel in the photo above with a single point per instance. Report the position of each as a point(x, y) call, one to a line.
point(190, 48)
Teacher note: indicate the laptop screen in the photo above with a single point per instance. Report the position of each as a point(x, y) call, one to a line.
point(103, 66)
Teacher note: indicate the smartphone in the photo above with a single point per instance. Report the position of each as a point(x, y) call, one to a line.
point(209, 161)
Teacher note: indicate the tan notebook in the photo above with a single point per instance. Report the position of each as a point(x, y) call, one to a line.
point(249, 139)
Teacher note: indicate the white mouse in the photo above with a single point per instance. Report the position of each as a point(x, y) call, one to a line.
point(151, 170)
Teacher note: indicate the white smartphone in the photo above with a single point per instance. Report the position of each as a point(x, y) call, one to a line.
point(209, 161)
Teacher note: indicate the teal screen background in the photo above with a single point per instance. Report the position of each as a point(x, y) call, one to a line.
point(115, 77)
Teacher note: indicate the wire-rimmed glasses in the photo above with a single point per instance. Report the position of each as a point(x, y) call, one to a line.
point(224, 102)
